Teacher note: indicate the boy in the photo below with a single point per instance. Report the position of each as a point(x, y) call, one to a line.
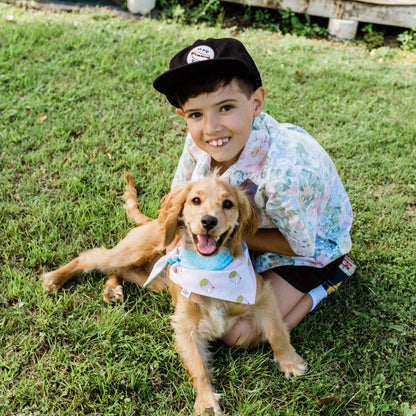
point(305, 214)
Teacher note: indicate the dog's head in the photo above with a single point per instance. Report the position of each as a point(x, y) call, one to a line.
point(211, 214)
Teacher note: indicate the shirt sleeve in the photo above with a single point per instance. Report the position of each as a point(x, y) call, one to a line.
point(300, 177)
point(291, 214)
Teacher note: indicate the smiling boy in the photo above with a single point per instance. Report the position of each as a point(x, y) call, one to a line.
point(305, 214)
point(220, 122)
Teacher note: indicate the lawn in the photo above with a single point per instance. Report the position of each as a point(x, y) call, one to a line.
point(77, 108)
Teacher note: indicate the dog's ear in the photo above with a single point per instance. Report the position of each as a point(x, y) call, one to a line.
point(247, 221)
point(170, 212)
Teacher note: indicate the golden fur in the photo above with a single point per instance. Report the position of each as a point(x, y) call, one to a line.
point(197, 319)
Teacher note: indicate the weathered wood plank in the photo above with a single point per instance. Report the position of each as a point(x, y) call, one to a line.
point(400, 13)
point(389, 2)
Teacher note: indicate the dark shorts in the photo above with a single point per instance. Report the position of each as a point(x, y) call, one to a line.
point(306, 278)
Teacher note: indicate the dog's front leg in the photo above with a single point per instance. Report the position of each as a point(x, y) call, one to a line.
point(193, 350)
point(290, 363)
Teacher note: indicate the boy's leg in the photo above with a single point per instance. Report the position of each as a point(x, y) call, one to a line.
point(294, 304)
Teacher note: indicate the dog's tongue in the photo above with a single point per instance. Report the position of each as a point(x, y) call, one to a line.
point(206, 244)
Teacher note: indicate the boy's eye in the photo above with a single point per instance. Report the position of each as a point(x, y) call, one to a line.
point(227, 107)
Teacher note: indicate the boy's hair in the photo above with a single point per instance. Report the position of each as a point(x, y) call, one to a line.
point(211, 83)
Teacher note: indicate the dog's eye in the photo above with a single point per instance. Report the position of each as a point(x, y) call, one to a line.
point(196, 201)
point(227, 204)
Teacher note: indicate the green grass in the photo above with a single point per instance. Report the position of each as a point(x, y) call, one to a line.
point(61, 185)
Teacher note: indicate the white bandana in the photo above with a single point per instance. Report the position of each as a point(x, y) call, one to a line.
point(234, 283)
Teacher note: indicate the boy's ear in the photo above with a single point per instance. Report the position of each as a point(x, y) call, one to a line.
point(258, 99)
point(180, 112)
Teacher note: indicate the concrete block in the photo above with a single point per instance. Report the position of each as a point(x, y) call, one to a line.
point(340, 29)
point(140, 6)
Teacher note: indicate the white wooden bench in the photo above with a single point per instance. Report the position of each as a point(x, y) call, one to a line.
point(344, 15)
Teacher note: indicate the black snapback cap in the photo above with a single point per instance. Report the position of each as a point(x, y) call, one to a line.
point(204, 57)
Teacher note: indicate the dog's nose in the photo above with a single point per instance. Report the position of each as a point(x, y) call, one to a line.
point(209, 222)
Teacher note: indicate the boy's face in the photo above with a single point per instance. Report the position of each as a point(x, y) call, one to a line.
point(220, 122)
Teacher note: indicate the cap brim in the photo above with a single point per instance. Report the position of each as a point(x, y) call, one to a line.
point(168, 82)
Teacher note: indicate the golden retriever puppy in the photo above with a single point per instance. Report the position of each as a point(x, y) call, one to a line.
point(211, 279)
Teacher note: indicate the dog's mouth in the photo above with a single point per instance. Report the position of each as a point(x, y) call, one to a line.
point(208, 245)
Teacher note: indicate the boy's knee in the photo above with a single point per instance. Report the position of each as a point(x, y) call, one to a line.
point(242, 334)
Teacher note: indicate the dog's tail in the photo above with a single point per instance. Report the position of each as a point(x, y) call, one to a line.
point(131, 202)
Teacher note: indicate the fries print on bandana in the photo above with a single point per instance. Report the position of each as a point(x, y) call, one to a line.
point(297, 190)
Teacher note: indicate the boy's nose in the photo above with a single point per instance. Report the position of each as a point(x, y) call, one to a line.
point(212, 126)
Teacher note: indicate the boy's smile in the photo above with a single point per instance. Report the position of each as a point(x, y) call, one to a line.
point(220, 122)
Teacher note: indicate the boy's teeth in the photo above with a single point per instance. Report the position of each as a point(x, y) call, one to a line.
point(219, 142)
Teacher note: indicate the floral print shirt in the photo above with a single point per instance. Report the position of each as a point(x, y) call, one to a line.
point(295, 187)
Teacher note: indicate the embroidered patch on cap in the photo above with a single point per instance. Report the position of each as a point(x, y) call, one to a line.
point(200, 53)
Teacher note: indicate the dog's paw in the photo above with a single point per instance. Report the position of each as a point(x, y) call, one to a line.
point(208, 405)
point(293, 366)
point(49, 282)
point(113, 295)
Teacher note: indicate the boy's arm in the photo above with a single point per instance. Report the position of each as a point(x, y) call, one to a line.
point(270, 240)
